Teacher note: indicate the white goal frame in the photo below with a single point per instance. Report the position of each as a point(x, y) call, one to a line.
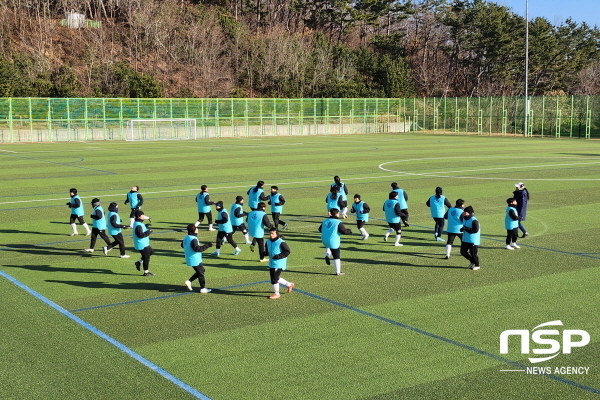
point(161, 129)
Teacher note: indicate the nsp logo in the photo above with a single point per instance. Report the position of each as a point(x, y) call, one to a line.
point(540, 337)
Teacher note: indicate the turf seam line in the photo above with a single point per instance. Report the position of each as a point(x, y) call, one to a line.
point(109, 339)
point(161, 297)
point(441, 338)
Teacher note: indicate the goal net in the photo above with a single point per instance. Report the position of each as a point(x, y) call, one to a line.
point(161, 129)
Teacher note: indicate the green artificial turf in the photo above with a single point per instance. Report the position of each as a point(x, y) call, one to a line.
point(402, 323)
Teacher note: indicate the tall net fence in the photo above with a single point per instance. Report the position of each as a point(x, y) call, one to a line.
point(72, 119)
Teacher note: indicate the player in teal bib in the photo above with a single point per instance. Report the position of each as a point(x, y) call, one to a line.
point(203, 202)
point(98, 225)
point(135, 201)
point(257, 222)
point(225, 230)
point(76, 207)
point(393, 216)
point(277, 201)
point(361, 209)
point(114, 229)
point(511, 224)
point(334, 199)
point(192, 251)
point(278, 251)
point(256, 195)
point(454, 224)
point(471, 238)
point(141, 242)
point(331, 230)
point(403, 200)
point(437, 205)
point(237, 215)
point(343, 190)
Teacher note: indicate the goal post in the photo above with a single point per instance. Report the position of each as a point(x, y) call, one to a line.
point(161, 129)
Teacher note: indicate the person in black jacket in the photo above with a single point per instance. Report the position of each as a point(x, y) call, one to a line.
point(98, 225)
point(114, 227)
point(521, 194)
point(193, 257)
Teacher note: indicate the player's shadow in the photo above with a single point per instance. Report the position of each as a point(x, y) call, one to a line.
point(44, 251)
point(247, 293)
point(378, 262)
point(48, 268)
point(312, 272)
point(259, 267)
point(157, 287)
point(36, 233)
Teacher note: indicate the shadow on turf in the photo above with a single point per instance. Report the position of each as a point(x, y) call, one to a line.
point(44, 251)
point(36, 233)
point(157, 287)
point(48, 268)
point(400, 264)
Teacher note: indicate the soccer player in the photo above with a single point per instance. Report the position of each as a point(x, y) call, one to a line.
point(278, 252)
point(225, 230)
point(204, 203)
point(437, 205)
point(256, 195)
point(135, 201)
point(361, 209)
point(98, 225)
point(522, 197)
point(276, 201)
point(141, 242)
point(257, 222)
point(471, 238)
point(193, 257)
point(237, 218)
point(343, 190)
point(331, 230)
point(453, 215)
point(77, 213)
point(403, 200)
point(334, 199)
point(511, 224)
point(114, 229)
point(393, 215)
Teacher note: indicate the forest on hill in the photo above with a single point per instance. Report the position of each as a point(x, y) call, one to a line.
point(289, 49)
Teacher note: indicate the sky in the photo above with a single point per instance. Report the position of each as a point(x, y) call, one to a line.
point(557, 11)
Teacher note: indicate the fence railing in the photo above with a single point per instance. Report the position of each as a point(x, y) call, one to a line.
point(82, 119)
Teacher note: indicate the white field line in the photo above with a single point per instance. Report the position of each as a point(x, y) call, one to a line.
point(394, 173)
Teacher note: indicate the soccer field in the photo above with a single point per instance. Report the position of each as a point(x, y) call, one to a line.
point(402, 323)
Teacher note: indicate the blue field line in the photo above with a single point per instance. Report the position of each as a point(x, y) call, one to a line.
point(443, 339)
point(109, 339)
point(162, 297)
point(57, 163)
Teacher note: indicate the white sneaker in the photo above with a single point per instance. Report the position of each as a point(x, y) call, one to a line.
point(125, 256)
point(211, 229)
point(74, 234)
point(365, 237)
point(205, 290)
point(476, 267)
point(439, 239)
point(248, 242)
point(89, 233)
point(387, 235)
point(89, 250)
point(215, 253)
point(105, 250)
point(398, 244)
point(514, 245)
point(188, 285)
point(509, 247)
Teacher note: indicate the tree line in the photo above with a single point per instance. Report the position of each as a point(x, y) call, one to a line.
point(290, 48)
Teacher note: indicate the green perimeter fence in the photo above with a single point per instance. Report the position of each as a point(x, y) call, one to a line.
point(74, 119)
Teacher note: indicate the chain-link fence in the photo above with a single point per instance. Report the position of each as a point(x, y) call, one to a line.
point(48, 120)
